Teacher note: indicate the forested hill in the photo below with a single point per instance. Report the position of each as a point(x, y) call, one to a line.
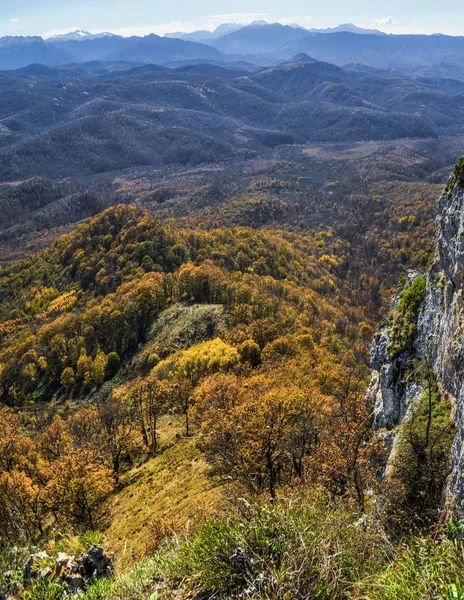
point(131, 347)
point(99, 290)
point(134, 348)
point(63, 124)
point(126, 320)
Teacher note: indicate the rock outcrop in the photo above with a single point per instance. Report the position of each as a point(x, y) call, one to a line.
point(77, 572)
point(437, 336)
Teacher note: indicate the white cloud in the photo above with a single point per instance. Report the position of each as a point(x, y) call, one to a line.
point(387, 21)
point(14, 20)
point(209, 22)
point(238, 17)
point(54, 32)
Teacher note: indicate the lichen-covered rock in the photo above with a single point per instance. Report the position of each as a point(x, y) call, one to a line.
point(439, 340)
point(75, 582)
point(96, 564)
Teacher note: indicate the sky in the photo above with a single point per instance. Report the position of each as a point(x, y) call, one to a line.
point(141, 17)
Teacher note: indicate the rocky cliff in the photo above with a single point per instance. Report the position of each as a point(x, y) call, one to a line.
point(426, 326)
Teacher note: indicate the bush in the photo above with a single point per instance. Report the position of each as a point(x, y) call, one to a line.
point(137, 584)
point(43, 589)
point(283, 346)
point(459, 171)
point(457, 178)
point(100, 590)
point(404, 318)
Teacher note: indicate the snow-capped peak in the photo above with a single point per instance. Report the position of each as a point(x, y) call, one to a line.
point(78, 36)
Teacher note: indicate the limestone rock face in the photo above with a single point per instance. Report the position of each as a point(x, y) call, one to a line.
point(439, 340)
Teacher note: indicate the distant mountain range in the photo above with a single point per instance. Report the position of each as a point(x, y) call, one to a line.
point(20, 52)
point(79, 36)
point(260, 37)
point(205, 36)
point(347, 27)
point(259, 44)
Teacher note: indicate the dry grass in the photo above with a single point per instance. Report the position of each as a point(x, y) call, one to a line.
point(174, 486)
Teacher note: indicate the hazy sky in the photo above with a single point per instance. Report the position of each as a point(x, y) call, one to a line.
point(126, 17)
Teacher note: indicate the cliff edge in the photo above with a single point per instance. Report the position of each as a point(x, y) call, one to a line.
point(418, 352)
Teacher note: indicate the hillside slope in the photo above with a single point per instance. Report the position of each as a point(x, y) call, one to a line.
point(143, 365)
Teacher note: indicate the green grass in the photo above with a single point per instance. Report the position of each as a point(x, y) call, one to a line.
point(307, 547)
point(424, 569)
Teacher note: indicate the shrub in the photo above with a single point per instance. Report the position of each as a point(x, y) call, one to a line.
point(404, 318)
point(457, 177)
point(100, 590)
point(459, 170)
point(43, 589)
point(209, 357)
point(283, 346)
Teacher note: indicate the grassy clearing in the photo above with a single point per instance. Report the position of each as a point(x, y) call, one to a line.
point(173, 486)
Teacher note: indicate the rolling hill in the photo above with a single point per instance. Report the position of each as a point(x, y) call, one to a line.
point(56, 124)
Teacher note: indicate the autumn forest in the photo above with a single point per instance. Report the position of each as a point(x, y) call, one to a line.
point(185, 326)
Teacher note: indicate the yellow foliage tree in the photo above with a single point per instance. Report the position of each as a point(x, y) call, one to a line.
point(78, 486)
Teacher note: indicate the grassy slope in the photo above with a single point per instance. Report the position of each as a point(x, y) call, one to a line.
point(173, 486)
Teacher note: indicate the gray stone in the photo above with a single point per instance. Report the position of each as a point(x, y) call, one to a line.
point(75, 582)
point(76, 572)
